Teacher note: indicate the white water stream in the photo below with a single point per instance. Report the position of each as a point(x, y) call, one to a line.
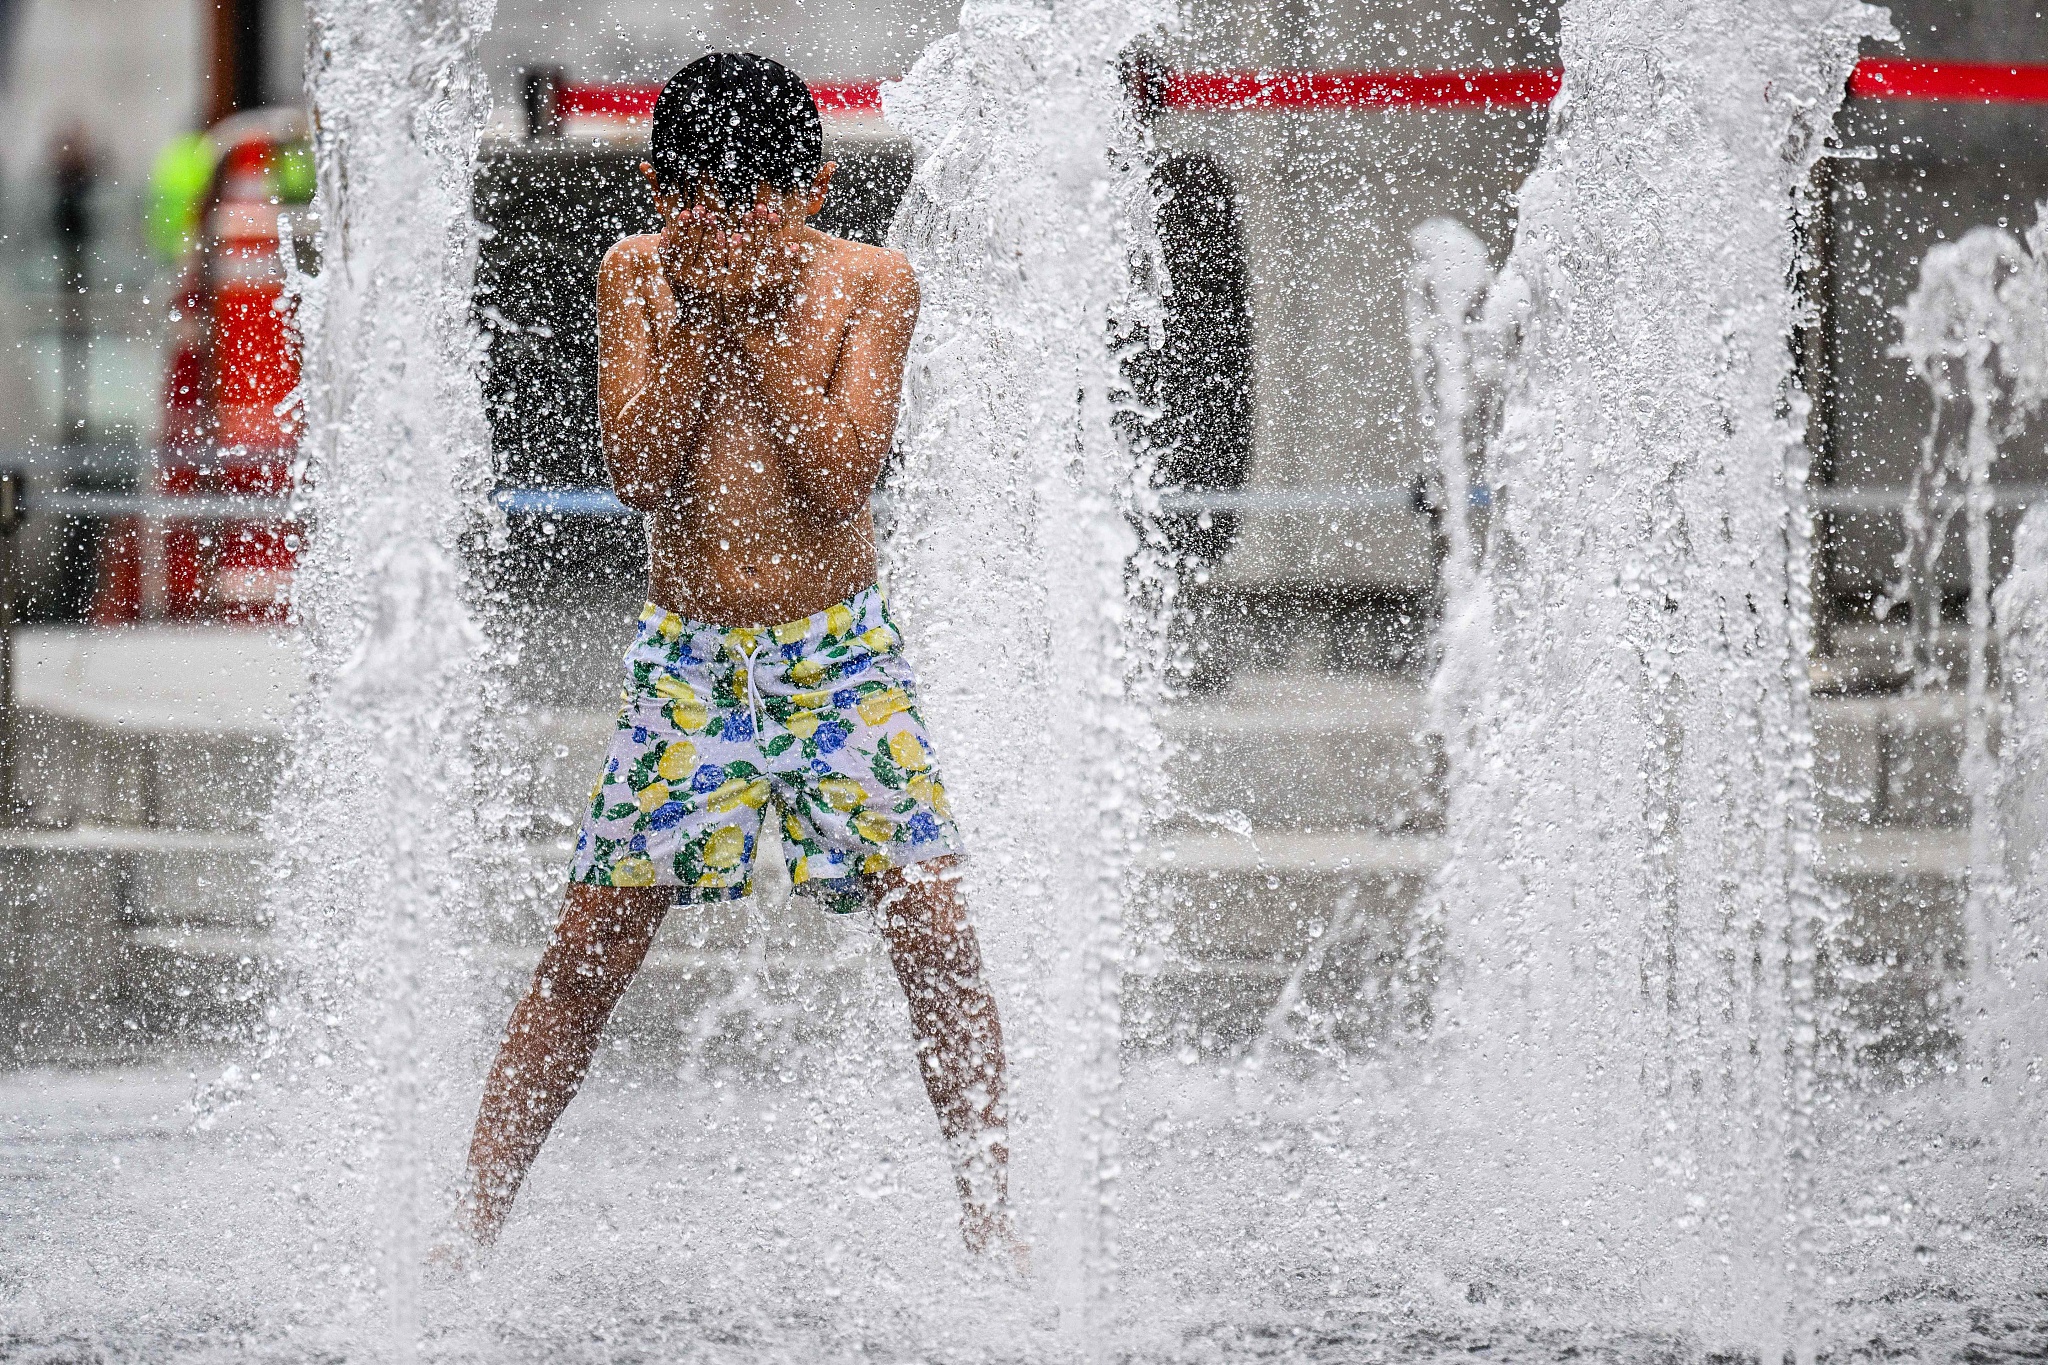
point(1009, 556)
point(385, 845)
point(1630, 908)
point(1975, 331)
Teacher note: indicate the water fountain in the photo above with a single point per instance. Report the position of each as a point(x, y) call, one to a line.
point(1009, 556)
point(1974, 332)
point(1624, 1123)
point(1023, 234)
point(382, 874)
point(1630, 899)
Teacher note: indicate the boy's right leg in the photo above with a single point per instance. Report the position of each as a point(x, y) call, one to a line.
point(603, 935)
point(959, 1039)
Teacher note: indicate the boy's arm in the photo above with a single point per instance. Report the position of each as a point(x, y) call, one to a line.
point(650, 379)
point(836, 433)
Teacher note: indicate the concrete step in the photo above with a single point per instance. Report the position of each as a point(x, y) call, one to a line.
point(1289, 750)
point(1306, 811)
point(1320, 773)
point(163, 933)
point(1336, 752)
point(1350, 758)
point(174, 727)
point(70, 771)
point(1255, 895)
point(1892, 762)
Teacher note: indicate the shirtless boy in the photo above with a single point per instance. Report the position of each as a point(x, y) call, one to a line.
point(749, 368)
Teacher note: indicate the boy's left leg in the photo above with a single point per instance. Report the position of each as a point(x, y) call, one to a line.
point(959, 1038)
point(598, 944)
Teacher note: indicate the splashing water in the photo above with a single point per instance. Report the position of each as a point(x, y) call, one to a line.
point(1464, 326)
point(1009, 558)
point(1027, 222)
point(1008, 568)
point(1976, 332)
point(1630, 897)
point(2011, 981)
point(383, 864)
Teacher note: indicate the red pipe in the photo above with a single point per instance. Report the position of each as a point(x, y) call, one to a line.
point(1903, 78)
point(1878, 78)
point(1358, 89)
point(606, 101)
point(847, 97)
point(637, 101)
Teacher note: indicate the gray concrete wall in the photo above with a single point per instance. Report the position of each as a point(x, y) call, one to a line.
point(1934, 172)
point(1972, 30)
point(1327, 201)
point(641, 41)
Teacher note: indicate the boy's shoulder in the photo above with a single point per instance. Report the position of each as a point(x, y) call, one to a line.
point(874, 267)
point(635, 250)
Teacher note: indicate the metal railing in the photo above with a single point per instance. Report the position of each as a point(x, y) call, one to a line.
point(162, 506)
point(602, 504)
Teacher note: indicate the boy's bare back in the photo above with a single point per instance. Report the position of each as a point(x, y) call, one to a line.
point(749, 367)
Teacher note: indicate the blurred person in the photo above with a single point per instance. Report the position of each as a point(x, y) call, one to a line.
point(749, 372)
point(73, 169)
point(20, 404)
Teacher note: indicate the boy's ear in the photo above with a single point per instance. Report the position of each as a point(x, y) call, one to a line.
point(822, 182)
point(661, 196)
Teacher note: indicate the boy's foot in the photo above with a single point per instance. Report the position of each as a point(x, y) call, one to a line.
point(988, 1233)
point(458, 1252)
point(454, 1259)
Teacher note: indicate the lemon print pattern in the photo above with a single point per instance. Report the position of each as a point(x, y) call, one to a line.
point(811, 726)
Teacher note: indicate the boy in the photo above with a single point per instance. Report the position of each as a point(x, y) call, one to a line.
point(749, 368)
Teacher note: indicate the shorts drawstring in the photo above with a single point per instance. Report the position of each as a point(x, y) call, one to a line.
point(753, 687)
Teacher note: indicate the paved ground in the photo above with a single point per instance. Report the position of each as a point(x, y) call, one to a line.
point(725, 1220)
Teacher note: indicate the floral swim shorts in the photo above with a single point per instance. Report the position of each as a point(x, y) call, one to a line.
point(816, 719)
